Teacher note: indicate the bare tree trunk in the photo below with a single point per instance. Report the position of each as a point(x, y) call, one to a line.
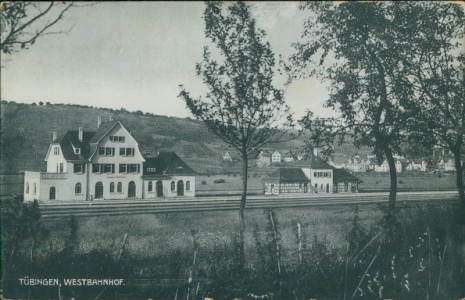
point(391, 225)
point(459, 235)
point(245, 169)
point(393, 186)
point(459, 181)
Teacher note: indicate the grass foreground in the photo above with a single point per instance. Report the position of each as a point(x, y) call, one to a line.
point(332, 252)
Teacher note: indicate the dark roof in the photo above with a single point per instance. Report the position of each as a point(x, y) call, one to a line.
point(102, 130)
point(341, 175)
point(314, 162)
point(71, 138)
point(167, 163)
point(289, 175)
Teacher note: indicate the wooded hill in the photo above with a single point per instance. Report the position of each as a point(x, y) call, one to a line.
point(26, 132)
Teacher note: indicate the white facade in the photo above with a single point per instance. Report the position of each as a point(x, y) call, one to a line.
point(175, 186)
point(415, 166)
point(227, 157)
point(276, 157)
point(320, 179)
point(384, 167)
point(263, 160)
point(112, 169)
point(449, 165)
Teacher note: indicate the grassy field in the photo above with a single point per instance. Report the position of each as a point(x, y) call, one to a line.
point(162, 234)
point(406, 181)
point(168, 254)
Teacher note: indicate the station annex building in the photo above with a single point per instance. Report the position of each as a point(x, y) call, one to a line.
point(311, 176)
point(107, 164)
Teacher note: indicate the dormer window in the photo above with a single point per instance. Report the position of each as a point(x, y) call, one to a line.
point(116, 138)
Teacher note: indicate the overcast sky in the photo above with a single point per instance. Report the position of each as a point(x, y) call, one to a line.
point(134, 55)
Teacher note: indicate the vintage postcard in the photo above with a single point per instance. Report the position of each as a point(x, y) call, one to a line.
point(232, 150)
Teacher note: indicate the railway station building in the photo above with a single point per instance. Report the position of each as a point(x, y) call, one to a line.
point(167, 175)
point(104, 164)
point(310, 176)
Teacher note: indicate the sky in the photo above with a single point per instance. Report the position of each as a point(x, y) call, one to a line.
point(135, 56)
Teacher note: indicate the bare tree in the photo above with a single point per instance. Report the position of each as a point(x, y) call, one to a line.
point(242, 106)
point(22, 23)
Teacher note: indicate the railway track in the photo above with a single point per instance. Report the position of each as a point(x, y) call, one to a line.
point(119, 207)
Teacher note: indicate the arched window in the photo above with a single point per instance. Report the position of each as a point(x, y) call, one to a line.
point(78, 188)
point(188, 185)
point(150, 186)
point(112, 187)
point(119, 187)
point(34, 191)
point(173, 186)
point(27, 187)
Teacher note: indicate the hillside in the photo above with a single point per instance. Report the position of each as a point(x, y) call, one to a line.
point(26, 132)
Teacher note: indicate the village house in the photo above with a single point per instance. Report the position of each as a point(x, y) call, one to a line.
point(288, 157)
point(87, 165)
point(263, 159)
point(276, 157)
point(415, 165)
point(313, 176)
point(227, 156)
point(446, 165)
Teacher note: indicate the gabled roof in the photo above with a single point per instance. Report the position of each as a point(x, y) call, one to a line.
point(289, 175)
point(102, 130)
point(341, 175)
point(71, 138)
point(167, 163)
point(314, 162)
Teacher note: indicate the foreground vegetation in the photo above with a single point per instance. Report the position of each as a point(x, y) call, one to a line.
point(325, 253)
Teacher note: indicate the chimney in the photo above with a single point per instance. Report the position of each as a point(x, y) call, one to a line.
point(110, 118)
point(54, 136)
point(80, 135)
point(315, 151)
point(99, 121)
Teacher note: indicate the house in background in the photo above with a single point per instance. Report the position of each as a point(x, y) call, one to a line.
point(384, 167)
point(415, 165)
point(263, 159)
point(288, 157)
point(275, 157)
point(446, 165)
point(167, 175)
point(227, 156)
